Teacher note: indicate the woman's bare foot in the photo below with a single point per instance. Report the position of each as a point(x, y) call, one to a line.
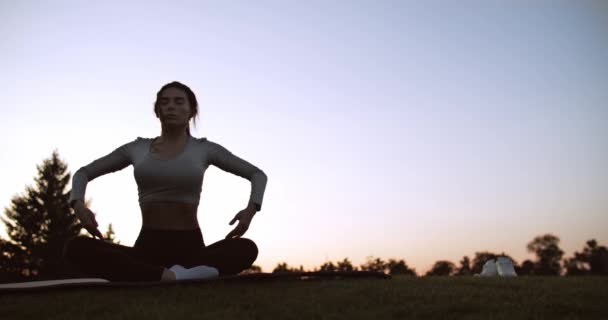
point(168, 275)
point(198, 272)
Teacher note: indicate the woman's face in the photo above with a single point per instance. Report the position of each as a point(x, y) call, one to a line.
point(174, 107)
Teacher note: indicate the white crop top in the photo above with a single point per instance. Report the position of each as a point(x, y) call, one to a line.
point(179, 179)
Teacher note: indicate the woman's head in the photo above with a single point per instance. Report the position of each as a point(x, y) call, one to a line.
point(176, 104)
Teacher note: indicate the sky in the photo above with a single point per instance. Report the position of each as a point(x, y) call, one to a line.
point(421, 131)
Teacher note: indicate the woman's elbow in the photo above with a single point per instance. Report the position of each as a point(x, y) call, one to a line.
point(81, 172)
point(259, 175)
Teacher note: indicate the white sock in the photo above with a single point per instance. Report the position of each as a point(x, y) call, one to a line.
point(198, 272)
point(177, 267)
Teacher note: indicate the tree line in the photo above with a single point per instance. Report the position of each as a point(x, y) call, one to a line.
point(39, 222)
point(549, 261)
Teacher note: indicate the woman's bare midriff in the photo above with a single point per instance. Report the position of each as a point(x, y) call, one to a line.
point(169, 215)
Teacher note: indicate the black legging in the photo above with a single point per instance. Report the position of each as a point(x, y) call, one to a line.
point(155, 250)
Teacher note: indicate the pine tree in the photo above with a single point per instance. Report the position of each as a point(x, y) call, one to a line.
point(38, 224)
point(109, 235)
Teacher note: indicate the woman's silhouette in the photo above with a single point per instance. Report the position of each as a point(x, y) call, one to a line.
point(169, 172)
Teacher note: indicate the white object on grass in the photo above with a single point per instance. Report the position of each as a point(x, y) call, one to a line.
point(198, 272)
point(489, 269)
point(505, 268)
point(47, 283)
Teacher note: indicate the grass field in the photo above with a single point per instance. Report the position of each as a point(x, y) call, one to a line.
point(397, 298)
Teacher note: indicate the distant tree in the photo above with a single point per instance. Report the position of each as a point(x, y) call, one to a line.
point(399, 267)
point(593, 260)
point(345, 265)
point(328, 266)
point(574, 267)
point(282, 267)
point(110, 236)
point(253, 269)
point(442, 268)
point(11, 256)
point(548, 254)
point(465, 267)
point(526, 268)
point(374, 264)
point(38, 225)
point(598, 259)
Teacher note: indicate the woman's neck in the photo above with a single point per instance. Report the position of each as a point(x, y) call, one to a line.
point(173, 134)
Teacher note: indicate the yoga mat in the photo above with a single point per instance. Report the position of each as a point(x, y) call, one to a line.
point(33, 286)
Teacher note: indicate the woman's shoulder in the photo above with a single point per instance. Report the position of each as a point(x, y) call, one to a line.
point(139, 140)
point(210, 144)
point(204, 141)
point(135, 144)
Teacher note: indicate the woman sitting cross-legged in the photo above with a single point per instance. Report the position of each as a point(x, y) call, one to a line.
point(169, 172)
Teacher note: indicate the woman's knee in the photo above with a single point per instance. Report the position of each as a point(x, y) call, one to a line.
point(75, 246)
point(250, 249)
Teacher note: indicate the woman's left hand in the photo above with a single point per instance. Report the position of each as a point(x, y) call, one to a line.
point(244, 217)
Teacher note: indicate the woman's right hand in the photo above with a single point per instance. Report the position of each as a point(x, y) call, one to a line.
point(87, 220)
